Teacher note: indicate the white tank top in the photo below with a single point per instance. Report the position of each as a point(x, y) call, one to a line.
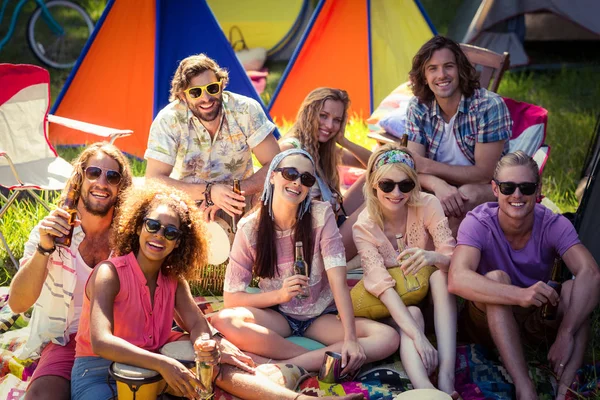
point(449, 152)
point(83, 272)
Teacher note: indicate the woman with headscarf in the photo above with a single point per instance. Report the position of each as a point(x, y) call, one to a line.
point(264, 248)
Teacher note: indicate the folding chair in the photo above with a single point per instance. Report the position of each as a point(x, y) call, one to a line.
point(27, 159)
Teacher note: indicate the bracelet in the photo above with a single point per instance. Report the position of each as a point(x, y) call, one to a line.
point(45, 252)
point(207, 198)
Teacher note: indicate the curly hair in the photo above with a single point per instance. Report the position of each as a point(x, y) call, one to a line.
point(467, 75)
point(306, 129)
point(374, 175)
point(80, 164)
point(191, 67)
point(190, 256)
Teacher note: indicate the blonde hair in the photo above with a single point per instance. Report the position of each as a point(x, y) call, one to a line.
point(374, 175)
point(327, 156)
point(516, 159)
point(191, 67)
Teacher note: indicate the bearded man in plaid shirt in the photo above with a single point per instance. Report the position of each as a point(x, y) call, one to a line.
point(457, 131)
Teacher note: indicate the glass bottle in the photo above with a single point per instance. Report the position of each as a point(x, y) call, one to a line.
point(300, 268)
point(549, 311)
point(411, 281)
point(70, 205)
point(236, 218)
point(404, 140)
point(205, 371)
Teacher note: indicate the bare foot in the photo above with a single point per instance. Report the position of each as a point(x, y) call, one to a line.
point(260, 359)
point(455, 395)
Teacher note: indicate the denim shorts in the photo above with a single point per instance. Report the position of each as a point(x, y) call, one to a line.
point(299, 327)
point(90, 379)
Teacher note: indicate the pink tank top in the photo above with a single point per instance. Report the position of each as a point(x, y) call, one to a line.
point(134, 318)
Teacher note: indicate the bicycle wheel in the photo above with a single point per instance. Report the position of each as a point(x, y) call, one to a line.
point(52, 48)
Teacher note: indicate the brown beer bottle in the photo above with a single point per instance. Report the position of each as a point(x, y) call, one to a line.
point(301, 268)
point(236, 218)
point(548, 310)
point(404, 140)
point(70, 205)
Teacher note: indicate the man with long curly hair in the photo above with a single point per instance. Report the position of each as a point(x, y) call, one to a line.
point(206, 136)
point(457, 130)
point(52, 278)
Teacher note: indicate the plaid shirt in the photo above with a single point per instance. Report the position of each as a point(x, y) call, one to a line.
point(482, 118)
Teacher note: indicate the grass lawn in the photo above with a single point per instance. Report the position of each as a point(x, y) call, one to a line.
point(570, 95)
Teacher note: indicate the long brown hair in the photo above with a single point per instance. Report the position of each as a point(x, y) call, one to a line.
point(467, 75)
point(306, 128)
point(189, 68)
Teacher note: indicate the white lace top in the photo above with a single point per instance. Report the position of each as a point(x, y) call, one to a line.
point(426, 228)
point(328, 252)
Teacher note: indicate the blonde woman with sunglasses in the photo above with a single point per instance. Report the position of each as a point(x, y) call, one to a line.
point(395, 205)
point(205, 138)
point(264, 247)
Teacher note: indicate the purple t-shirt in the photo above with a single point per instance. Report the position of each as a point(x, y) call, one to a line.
point(552, 236)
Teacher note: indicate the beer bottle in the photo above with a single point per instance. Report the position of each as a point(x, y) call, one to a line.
point(548, 310)
point(236, 218)
point(300, 268)
point(70, 205)
point(404, 140)
point(412, 283)
point(205, 371)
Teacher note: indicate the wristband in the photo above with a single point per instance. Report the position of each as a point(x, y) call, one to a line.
point(207, 198)
point(45, 252)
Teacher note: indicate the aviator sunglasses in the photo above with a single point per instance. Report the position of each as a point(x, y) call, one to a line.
point(169, 231)
point(405, 186)
point(196, 91)
point(291, 174)
point(112, 177)
point(508, 188)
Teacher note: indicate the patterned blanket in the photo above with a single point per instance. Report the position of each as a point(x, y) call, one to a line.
point(478, 374)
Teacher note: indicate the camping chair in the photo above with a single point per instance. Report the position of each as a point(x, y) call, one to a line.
point(491, 67)
point(27, 159)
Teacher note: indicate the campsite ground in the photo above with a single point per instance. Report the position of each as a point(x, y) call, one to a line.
point(570, 95)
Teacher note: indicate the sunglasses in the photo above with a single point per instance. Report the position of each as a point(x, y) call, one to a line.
point(508, 188)
point(92, 174)
point(196, 91)
point(169, 231)
point(291, 174)
point(405, 186)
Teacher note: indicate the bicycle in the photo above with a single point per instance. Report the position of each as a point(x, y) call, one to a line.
point(59, 36)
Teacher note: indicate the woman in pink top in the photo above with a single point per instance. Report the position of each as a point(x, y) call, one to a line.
point(264, 247)
point(395, 205)
point(158, 241)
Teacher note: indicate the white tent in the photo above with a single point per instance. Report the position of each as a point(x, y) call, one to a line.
point(503, 25)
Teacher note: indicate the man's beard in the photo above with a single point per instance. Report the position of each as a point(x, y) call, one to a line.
point(207, 116)
point(96, 209)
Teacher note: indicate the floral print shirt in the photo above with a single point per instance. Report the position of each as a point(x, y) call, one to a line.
point(179, 139)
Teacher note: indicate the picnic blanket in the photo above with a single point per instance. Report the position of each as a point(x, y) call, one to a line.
point(479, 375)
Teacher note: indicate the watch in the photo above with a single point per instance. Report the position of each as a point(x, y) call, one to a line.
point(45, 252)
point(207, 198)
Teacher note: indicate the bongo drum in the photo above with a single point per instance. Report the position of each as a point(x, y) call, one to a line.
point(182, 351)
point(423, 394)
point(136, 383)
point(219, 242)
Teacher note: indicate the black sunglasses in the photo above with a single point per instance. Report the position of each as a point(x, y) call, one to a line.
point(169, 231)
point(508, 188)
point(112, 177)
point(291, 174)
point(405, 186)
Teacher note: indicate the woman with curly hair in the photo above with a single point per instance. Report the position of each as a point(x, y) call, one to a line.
point(264, 247)
point(130, 299)
point(319, 129)
point(395, 205)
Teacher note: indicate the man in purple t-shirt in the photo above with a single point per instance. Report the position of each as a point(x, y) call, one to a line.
point(501, 265)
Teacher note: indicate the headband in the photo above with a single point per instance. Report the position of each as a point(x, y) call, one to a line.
point(394, 156)
point(267, 194)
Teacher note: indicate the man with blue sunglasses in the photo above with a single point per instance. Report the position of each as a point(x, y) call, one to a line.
point(205, 138)
point(502, 266)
